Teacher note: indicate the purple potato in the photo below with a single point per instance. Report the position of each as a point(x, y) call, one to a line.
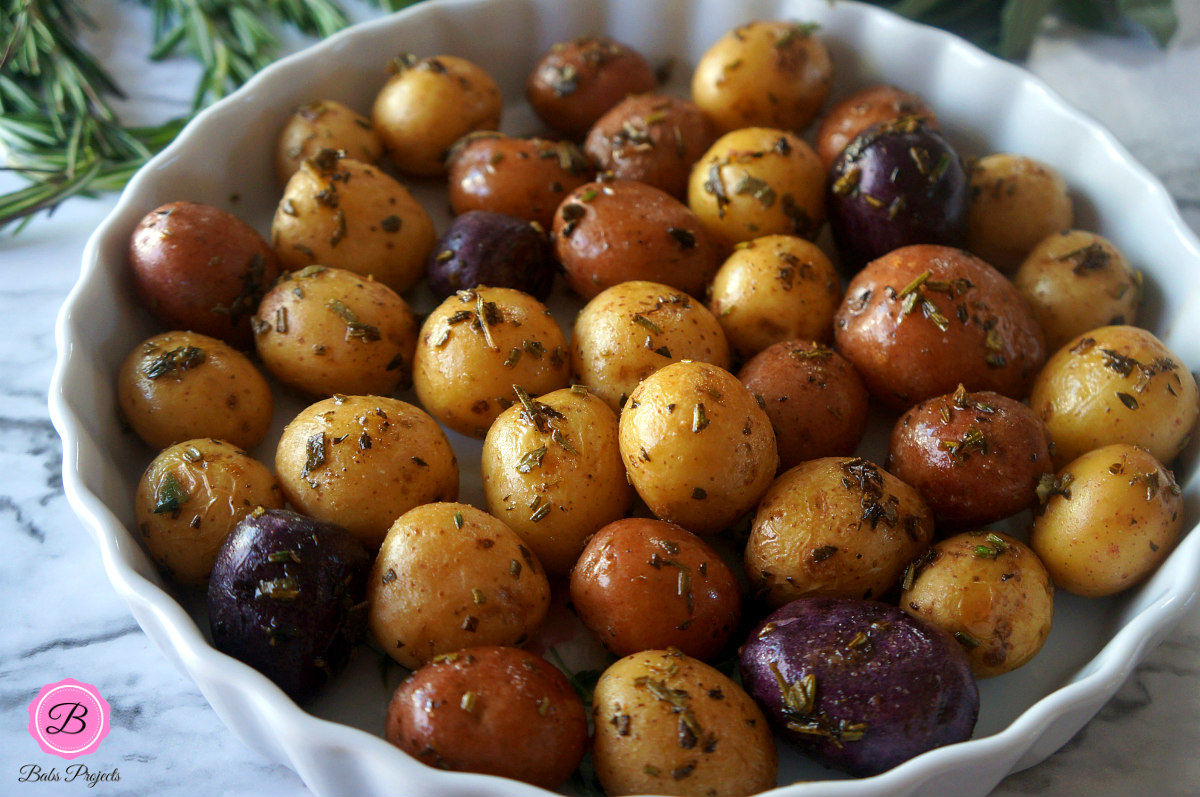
point(493, 249)
point(287, 596)
point(860, 686)
point(896, 183)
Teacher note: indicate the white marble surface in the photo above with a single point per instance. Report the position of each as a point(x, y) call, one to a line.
point(62, 619)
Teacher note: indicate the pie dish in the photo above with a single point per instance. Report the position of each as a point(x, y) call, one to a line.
point(225, 158)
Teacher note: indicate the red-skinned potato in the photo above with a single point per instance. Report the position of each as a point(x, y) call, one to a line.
point(852, 115)
point(491, 709)
point(642, 583)
point(923, 319)
point(201, 268)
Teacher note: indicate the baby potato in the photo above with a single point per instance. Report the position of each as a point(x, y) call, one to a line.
point(852, 115)
point(643, 584)
point(324, 124)
point(428, 104)
point(990, 592)
point(669, 724)
point(697, 447)
point(484, 248)
point(764, 74)
point(651, 138)
point(345, 214)
point(974, 457)
point(815, 399)
point(1074, 281)
point(634, 328)
point(327, 330)
point(479, 349)
point(575, 82)
point(449, 576)
point(1109, 518)
point(923, 319)
point(834, 527)
point(1016, 201)
point(552, 471)
point(177, 386)
point(1116, 384)
point(523, 177)
point(362, 461)
point(191, 496)
point(201, 268)
point(758, 181)
point(618, 230)
point(492, 709)
point(772, 289)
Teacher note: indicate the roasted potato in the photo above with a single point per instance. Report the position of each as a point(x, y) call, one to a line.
point(1110, 517)
point(200, 268)
point(479, 348)
point(644, 584)
point(492, 249)
point(362, 461)
point(634, 328)
point(834, 527)
point(775, 288)
point(324, 124)
point(923, 319)
point(669, 724)
point(191, 496)
point(698, 449)
point(177, 386)
point(450, 576)
point(327, 330)
point(1016, 201)
point(552, 471)
point(766, 73)
point(1116, 384)
point(866, 107)
point(430, 103)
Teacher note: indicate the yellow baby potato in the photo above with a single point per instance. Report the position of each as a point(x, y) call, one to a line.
point(324, 124)
point(1015, 202)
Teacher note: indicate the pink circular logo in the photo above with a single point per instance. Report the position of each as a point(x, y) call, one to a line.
point(68, 719)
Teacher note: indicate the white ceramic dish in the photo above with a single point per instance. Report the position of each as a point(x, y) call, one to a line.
point(223, 158)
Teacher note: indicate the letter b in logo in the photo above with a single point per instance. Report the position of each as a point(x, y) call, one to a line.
point(68, 719)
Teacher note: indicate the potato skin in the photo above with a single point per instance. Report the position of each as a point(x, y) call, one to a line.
point(851, 115)
point(988, 590)
point(834, 527)
point(575, 82)
point(816, 401)
point(324, 124)
point(428, 104)
point(491, 709)
point(974, 457)
point(1111, 516)
point(669, 724)
point(1116, 384)
point(888, 686)
point(677, 425)
point(201, 268)
point(634, 328)
point(362, 461)
point(493, 249)
point(758, 181)
point(564, 462)
point(286, 597)
point(889, 327)
point(327, 330)
point(1016, 201)
point(523, 177)
point(614, 231)
point(1075, 281)
point(345, 214)
point(651, 138)
point(177, 386)
point(189, 499)
point(465, 369)
point(450, 576)
point(765, 73)
point(775, 288)
point(644, 584)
